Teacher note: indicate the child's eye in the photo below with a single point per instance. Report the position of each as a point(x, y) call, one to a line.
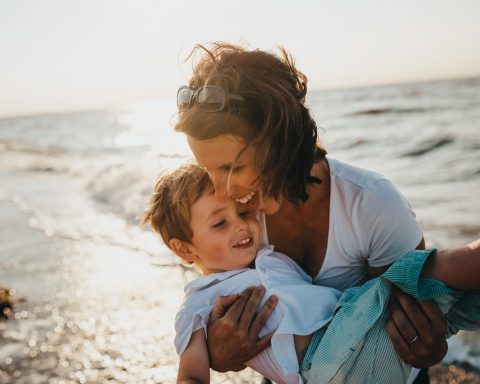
point(245, 214)
point(219, 224)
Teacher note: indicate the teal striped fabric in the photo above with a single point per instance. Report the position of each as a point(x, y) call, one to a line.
point(355, 348)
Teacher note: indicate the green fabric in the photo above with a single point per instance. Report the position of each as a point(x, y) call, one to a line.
point(355, 348)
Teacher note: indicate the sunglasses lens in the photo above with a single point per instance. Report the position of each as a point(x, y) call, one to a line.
point(211, 98)
point(184, 96)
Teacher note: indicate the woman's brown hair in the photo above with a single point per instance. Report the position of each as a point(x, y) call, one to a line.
point(279, 125)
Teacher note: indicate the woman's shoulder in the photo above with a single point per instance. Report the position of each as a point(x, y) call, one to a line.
point(345, 172)
point(367, 198)
point(359, 187)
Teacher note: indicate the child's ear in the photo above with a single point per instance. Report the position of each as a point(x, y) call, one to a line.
point(182, 249)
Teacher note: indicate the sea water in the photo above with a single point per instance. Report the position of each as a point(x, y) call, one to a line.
point(73, 187)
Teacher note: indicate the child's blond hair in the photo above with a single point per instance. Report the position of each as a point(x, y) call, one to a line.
point(175, 192)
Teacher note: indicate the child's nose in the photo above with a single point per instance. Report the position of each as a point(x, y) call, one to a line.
point(241, 225)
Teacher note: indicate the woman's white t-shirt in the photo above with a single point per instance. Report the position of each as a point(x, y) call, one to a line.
point(371, 224)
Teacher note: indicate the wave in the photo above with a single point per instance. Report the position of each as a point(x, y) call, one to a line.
point(16, 145)
point(124, 187)
point(384, 111)
point(428, 146)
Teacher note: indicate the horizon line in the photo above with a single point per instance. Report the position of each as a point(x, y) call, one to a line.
point(119, 105)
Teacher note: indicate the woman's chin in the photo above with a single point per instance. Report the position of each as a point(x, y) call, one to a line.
point(253, 204)
point(268, 206)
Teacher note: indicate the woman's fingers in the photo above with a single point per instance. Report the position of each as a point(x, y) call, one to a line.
point(262, 317)
point(399, 343)
point(222, 303)
point(432, 345)
point(435, 316)
point(234, 327)
point(408, 316)
point(228, 346)
point(417, 330)
point(250, 308)
point(264, 342)
point(237, 308)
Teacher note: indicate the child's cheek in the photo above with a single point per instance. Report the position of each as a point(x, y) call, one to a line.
point(217, 253)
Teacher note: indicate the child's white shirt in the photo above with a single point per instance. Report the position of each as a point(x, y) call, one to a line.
point(302, 309)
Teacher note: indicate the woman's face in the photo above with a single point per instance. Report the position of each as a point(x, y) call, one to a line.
point(233, 176)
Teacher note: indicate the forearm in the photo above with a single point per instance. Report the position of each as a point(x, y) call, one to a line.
point(458, 268)
point(194, 367)
point(193, 374)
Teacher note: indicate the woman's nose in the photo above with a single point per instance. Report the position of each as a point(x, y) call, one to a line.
point(221, 195)
point(219, 184)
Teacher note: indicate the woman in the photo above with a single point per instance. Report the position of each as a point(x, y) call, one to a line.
point(246, 122)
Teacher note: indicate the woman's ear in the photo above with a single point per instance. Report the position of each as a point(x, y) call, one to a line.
point(182, 249)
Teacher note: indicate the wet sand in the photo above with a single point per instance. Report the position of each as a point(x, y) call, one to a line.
point(92, 312)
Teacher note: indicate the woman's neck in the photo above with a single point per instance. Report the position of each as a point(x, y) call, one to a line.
point(300, 230)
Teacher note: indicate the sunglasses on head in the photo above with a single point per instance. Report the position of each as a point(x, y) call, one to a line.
point(210, 98)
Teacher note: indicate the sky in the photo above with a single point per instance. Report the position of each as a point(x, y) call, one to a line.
point(62, 55)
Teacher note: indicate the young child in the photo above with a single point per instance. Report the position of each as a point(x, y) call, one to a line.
point(345, 333)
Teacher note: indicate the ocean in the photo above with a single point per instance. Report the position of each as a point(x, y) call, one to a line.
point(96, 293)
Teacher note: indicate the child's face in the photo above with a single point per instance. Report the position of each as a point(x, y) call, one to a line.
point(225, 235)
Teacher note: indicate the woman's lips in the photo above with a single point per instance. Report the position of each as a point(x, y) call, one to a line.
point(245, 199)
point(250, 201)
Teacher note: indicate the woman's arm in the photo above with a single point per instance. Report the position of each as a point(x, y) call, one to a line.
point(233, 329)
point(194, 366)
point(458, 268)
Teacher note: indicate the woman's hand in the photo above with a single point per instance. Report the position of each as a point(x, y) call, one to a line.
point(233, 329)
point(417, 330)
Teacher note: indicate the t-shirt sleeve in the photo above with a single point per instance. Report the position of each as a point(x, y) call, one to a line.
point(186, 323)
point(387, 224)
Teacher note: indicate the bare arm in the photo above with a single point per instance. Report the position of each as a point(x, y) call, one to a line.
point(194, 365)
point(458, 268)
